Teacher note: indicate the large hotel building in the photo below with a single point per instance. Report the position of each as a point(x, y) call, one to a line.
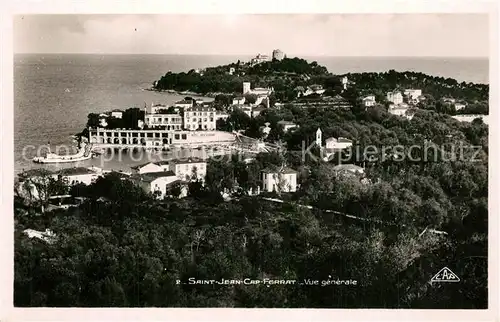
point(159, 138)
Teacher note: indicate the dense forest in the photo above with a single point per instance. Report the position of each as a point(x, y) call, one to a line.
point(280, 74)
point(122, 247)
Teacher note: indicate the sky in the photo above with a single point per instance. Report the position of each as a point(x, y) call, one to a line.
point(432, 35)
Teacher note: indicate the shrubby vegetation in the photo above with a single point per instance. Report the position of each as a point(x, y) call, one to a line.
point(278, 74)
point(129, 119)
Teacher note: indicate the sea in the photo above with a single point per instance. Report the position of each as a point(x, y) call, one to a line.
point(54, 93)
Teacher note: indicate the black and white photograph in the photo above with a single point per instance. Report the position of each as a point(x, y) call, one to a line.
point(282, 160)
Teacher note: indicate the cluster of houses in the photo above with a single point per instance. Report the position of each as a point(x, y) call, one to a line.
point(160, 177)
point(261, 102)
point(197, 115)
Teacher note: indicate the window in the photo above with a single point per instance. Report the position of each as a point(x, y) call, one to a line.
point(177, 136)
point(184, 136)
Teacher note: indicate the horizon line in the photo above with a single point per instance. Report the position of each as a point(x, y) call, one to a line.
point(240, 54)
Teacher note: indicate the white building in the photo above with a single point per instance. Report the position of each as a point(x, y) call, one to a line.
point(312, 89)
point(46, 236)
point(184, 104)
point(283, 180)
point(413, 94)
point(395, 97)
point(147, 168)
point(287, 125)
point(265, 129)
point(239, 100)
point(117, 113)
point(169, 121)
point(199, 118)
point(219, 115)
point(459, 106)
point(348, 169)
point(278, 54)
point(155, 108)
point(337, 144)
point(156, 182)
point(345, 81)
point(262, 99)
point(257, 110)
point(79, 175)
point(259, 59)
point(140, 124)
point(247, 110)
point(231, 70)
point(199, 101)
point(160, 138)
point(402, 110)
point(398, 109)
point(369, 101)
point(184, 168)
point(471, 117)
point(257, 91)
point(319, 136)
point(103, 120)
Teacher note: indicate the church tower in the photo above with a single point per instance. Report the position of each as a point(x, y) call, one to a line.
point(318, 137)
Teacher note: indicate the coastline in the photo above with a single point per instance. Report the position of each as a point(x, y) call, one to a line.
point(190, 93)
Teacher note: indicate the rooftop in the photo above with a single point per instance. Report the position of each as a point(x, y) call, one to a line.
point(151, 176)
point(163, 162)
point(178, 181)
point(189, 160)
point(285, 170)
point(347, 167)
point(119, 174)
point(315, 87)
point(137, 167)
point(117, 110)
point(163, 114)
point(200, 109)
point(283, 122)
point(184, 102)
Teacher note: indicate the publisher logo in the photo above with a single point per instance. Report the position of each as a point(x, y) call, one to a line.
point(445, 275)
